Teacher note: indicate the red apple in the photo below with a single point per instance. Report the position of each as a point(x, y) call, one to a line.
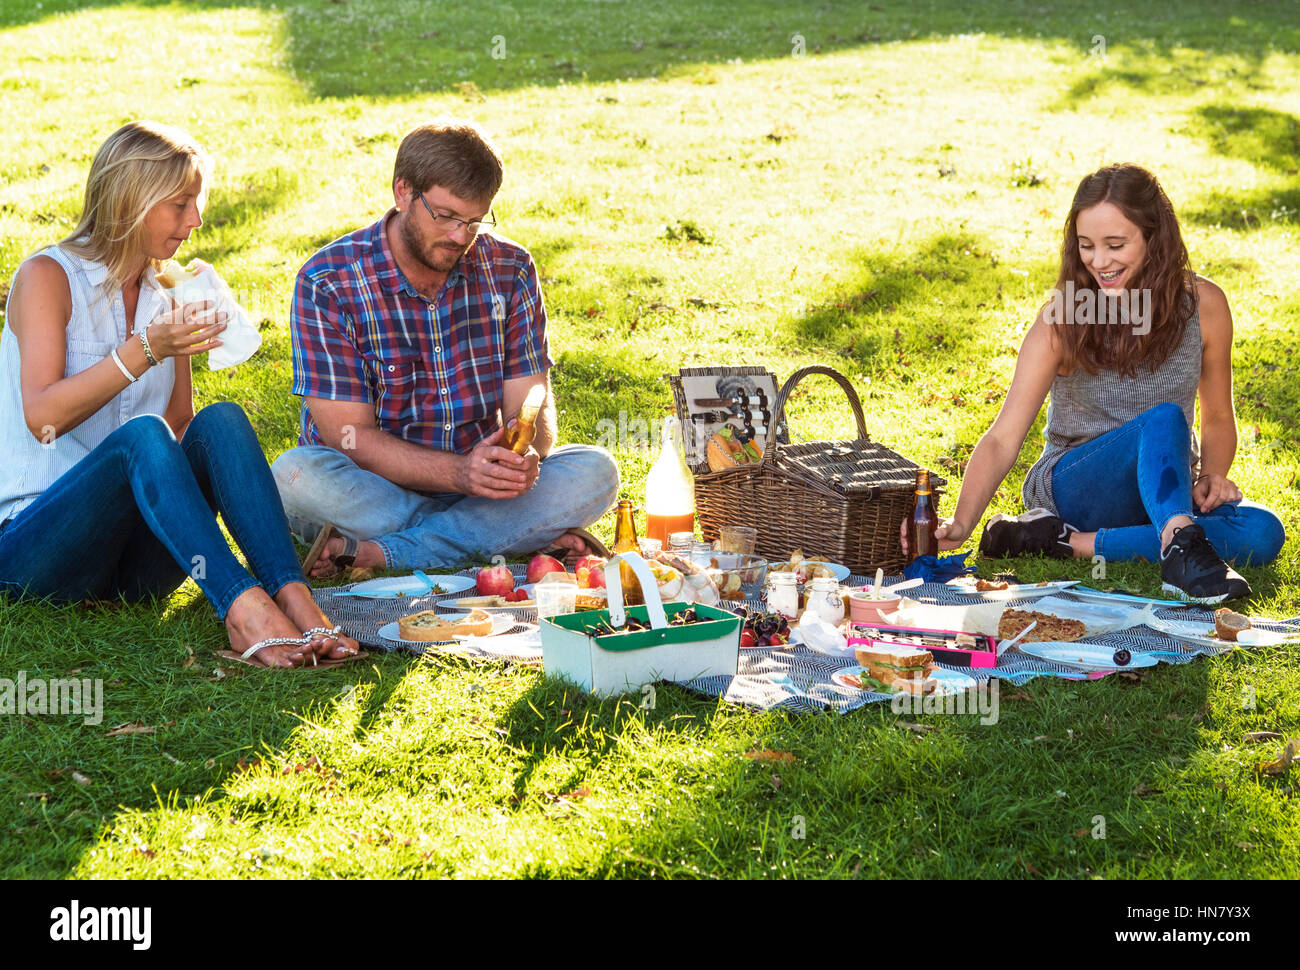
point(494, 581)
point(595, 567)
point(540, 566)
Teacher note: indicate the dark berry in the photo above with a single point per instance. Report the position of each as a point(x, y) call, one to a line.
point(1122, 657)
point(768, 624)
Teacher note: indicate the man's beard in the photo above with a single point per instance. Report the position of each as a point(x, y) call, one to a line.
point(440, 259)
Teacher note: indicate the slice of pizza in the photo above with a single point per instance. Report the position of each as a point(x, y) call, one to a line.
point(1049, 628)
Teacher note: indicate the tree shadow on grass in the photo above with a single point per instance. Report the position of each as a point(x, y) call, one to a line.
point(1155, 66)
point(159, 673)
point(555, 716)
point(387, 48)
point(930, 300)
point(1270, 141)
point(869, 793)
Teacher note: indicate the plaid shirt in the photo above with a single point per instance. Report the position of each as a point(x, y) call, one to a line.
point(434, 371)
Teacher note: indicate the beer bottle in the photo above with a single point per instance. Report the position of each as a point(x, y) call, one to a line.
point(522, 428)
point(925, 519)
point(625, 541)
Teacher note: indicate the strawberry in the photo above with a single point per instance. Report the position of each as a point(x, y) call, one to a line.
point(747, 638)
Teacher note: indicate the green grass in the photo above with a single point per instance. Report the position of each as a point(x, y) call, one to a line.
point(889, 203)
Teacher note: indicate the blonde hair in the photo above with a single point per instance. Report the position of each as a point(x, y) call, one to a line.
point(140, 165)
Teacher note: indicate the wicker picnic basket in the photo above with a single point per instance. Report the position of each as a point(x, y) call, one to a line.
point(841, 501)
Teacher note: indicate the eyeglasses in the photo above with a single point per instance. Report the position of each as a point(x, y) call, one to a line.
point(451, 223)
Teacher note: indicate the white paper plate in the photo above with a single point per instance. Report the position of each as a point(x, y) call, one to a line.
point(949, 681)
point(500, 624)
point(413, 585)
point(529, 589)
point(1089, 655)
point(1203, 634)
point(1014, 591)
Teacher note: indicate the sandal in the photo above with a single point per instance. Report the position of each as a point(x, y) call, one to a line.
point(246, 657)
point(330, 531)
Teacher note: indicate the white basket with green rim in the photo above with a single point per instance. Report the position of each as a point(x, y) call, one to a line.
point(620, 662)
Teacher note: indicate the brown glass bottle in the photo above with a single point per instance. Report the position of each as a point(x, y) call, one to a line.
point(522, 428)
point(625, 541)
point(921, 539)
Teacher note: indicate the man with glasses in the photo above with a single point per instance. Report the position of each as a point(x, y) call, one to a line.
point(414, 339)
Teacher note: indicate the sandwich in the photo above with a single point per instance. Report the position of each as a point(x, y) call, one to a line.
point(726, 450)
point(896, 669)
point(429, 627)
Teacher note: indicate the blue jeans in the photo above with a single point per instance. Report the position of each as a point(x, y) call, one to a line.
point(1127, 484)
point(576, 485)
point(137, 516)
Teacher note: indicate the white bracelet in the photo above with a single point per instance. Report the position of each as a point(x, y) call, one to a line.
point(131, 378)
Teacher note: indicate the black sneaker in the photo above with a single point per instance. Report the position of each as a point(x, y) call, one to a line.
point(1036, 532)
point(1192, 570)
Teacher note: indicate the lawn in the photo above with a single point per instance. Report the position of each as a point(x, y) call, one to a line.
point(875, 187)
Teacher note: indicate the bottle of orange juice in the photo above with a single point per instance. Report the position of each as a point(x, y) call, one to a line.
point(669, 494)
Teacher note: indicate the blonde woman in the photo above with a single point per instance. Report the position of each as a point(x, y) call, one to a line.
point(111, 483)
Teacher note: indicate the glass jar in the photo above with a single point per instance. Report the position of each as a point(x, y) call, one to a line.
point(824, 599)
point(783, 594)
point(702, 554)
point(649, 547)
point(681, 542)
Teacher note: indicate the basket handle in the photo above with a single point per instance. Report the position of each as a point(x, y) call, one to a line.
point(649, 586)
point(778, 413)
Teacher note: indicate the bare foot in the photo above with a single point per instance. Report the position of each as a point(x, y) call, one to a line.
point(368, 555)
point(296, 603)
point(254, 616)
point(574, 546)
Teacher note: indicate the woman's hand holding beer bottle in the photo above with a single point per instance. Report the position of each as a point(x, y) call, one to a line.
point(923, 532)
point(950, 533)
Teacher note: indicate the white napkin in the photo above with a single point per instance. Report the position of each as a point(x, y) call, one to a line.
point(199, 282)
point(817, 634)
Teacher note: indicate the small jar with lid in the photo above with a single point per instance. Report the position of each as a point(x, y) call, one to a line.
point(824, 600)
point(702, 554)
point(783, 594)
point(680, 543)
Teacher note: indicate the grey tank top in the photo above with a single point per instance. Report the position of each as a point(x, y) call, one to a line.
point(1084, 406)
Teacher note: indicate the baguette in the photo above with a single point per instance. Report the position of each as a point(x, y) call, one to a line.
point(429, 627)
point(718, 454)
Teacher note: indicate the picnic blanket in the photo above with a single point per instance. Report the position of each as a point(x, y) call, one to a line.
point(794, 678)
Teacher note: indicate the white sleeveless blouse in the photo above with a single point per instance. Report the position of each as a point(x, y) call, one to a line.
point(97, 325)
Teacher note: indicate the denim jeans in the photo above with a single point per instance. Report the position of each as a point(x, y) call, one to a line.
point(137, 516)
point(1126, 484)
point(576, 485)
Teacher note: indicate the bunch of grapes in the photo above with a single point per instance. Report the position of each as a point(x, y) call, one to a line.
point(763, 629)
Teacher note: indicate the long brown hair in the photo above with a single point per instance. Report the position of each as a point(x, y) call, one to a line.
point(1166, 272)
point(140, 165)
